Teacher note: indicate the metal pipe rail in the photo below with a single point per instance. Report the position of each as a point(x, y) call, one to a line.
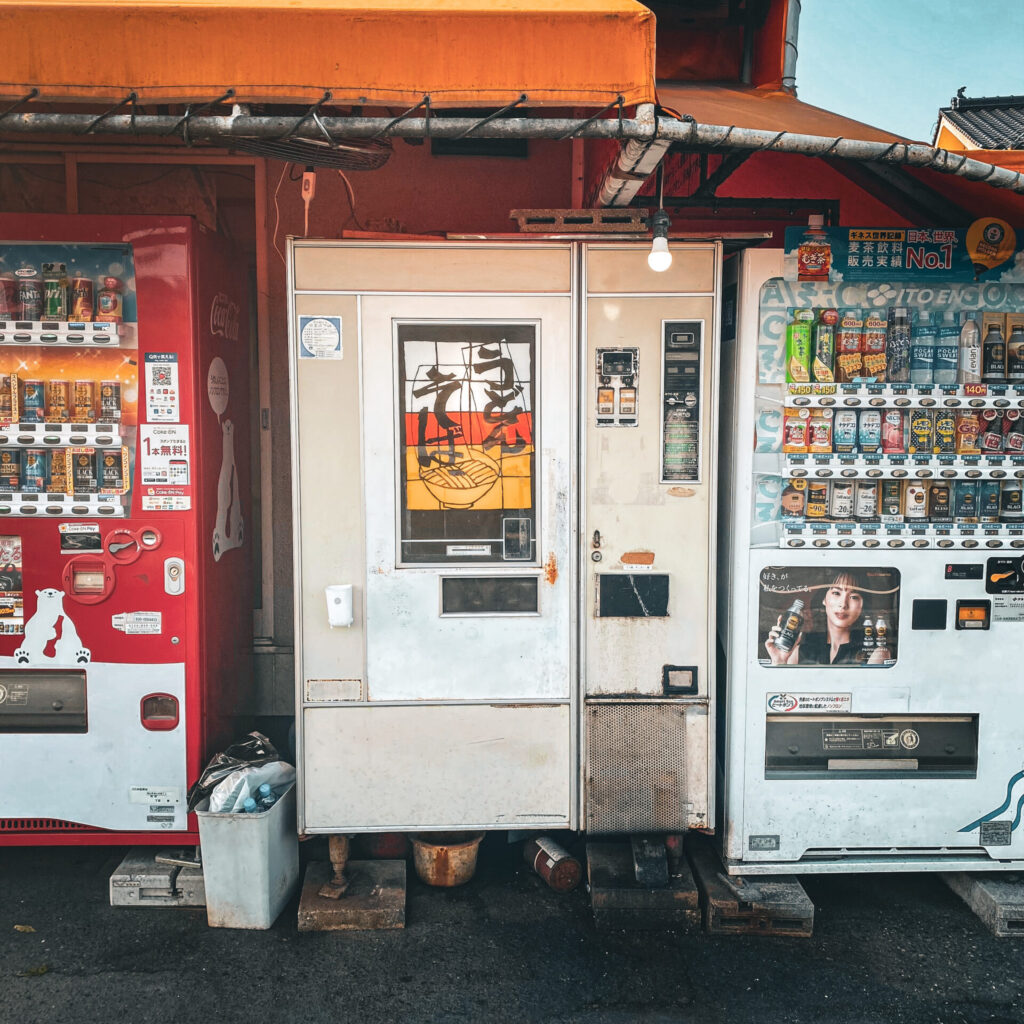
point(685, 132)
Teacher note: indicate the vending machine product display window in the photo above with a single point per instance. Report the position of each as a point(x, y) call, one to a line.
point(873, 439)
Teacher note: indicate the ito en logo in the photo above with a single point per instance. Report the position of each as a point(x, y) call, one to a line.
point(783, 702)
point(224, 317)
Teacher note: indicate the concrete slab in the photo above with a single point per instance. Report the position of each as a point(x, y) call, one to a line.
point(375, 898)
point(733, 905)
point(997, 899)
point(620, 901)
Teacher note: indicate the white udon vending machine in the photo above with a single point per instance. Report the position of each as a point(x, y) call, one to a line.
point(872, 597)
point(504, 497)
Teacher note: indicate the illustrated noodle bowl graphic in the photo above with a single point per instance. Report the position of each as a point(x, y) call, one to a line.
point(465, 483)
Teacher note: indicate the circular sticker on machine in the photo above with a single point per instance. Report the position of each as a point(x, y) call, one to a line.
point(217, 387)
point(3, 693)
point(909, 739)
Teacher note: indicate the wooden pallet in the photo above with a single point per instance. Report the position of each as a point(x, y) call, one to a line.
point(621, 220)
point(997, 898)
point(733, 905)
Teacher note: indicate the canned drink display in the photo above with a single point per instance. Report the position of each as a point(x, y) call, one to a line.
point(892, 432)
point(57, 482)
point(817, 499)
point(965, 501)
point(991, 432)
point(83, 409)
point(939, 508)
point(83, 472)
point(81, 304)
point(110, 401)
point(892, 499)
point(869, 431)
point(1011, 509)
point(922, 432)
point(33, 406)
point(865, 501)
point(34, 470)
point(915, 500)
point(57, 406)
point(945, 433)
point(8, 382)
point(10, 469)
point(840, 504)
point(109, 302)
point(988, 501)
point(30, 293)
point(9, 306)
point(793, 503)
point(820, 432)
point(55, 291)
point(111, 470)
point(844, 431)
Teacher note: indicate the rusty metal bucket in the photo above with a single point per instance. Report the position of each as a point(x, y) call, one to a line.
point(445, 858)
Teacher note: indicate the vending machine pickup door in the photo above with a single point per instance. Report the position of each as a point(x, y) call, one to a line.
point(43, 701)
point(973, 614)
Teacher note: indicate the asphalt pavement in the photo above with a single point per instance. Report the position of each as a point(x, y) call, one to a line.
point(886, 949)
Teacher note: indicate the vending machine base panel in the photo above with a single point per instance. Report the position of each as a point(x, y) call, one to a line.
point(374, 899)
point(998, 901)
point(620, 901)
point(773, 905)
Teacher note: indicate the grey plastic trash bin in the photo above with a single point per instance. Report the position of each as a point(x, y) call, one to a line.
point(250, 863)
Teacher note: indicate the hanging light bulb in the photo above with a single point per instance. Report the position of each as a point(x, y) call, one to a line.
point(659, 258)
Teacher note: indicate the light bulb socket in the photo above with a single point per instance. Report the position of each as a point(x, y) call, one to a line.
point(660, 224)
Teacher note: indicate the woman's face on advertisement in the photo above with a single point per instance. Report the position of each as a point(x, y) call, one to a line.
point(843, 604)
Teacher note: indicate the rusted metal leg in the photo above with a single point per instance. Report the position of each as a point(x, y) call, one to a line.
point(335, 888)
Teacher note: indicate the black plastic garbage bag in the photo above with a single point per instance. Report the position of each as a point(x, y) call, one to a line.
point(254, 750)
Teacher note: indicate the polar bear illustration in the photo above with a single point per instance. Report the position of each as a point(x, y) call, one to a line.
point(42, 628)
point(229, 530)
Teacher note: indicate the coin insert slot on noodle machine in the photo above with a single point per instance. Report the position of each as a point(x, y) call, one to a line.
point(617, 373)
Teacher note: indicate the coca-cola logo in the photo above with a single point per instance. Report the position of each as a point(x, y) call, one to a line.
point(224, 317)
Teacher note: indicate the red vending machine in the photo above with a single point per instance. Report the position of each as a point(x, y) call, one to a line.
point(125, 590)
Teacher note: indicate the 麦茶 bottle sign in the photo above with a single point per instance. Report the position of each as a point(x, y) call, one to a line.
point(988, 250)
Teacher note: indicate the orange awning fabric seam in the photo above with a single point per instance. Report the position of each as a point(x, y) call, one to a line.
point(483, 53)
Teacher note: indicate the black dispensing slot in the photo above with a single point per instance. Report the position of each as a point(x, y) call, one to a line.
point(626, 595)
point(489, 595)
point(681, 401)
point(34, 701)
point(886, 746)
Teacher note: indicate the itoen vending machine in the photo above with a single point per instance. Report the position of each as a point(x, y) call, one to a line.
point(504, 491)
point(125, 619)
point(872, 552)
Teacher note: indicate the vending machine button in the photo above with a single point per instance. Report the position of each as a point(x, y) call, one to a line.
point(827, 400)
point(1017, 543)
point(977, 403)
point(871, 543)
point(998, 474)
point(798, 472)
point(970, 543)
point(952, 403)
point(927, 402)
point(896, 543)
point(874, 472)
point(973, 473)
point(1000, 403)
point(899, 472)
point(851, 401)
point(900, 402)
point(821, 543)
point(920, 543)
point(796, 543)
point(993, 543)
point(801, 401)
point(846, 543)
point(823, 472)
point(80, 510)
point(923, 473)
point(77, 439)
point(28, 510)
point(54, 510)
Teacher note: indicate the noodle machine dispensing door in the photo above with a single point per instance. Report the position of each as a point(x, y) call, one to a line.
point(503, 497)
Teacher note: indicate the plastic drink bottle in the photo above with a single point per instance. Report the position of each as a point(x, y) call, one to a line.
point(922, 350)
point(970, 351)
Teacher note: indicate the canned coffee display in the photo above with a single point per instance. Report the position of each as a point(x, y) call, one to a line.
point(33, 405)
point(34, 471)
point(10, 469)
point(10, 308)
point(83, 409)
point(57, 407)
point(111, 471)
point(110, 401)
point(83, 472)
point(81, 305)
point(8, 382)
point(57, 482)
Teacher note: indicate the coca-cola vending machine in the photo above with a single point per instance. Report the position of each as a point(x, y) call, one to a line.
point(125, 611)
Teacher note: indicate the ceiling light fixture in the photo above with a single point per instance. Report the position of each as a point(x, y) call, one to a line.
point(659, 258)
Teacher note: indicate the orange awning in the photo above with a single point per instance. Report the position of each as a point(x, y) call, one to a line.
point(747, 107)
point(571, 53)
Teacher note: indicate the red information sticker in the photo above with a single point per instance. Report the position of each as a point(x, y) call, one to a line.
point(975, 390)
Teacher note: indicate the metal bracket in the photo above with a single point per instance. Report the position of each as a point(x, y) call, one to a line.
point(191, 112)
point(314, 113)
point(130, 98)
point(425, 102)
point(490, 117)
point(18, 103)
point(618, 101)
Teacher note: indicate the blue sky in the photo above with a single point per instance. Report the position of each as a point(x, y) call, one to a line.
point(893, 63)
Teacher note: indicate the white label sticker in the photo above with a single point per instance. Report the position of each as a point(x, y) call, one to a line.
point(166, 502)
point(454, 550)
point(138, 622)
point(165, 454)
point(75, 537)
point(1008, 608)
point(154, 795)
point(806, 703)
point(320, 337)
point(163, 392)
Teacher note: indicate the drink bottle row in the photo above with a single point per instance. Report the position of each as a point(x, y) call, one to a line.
point(824, 431)
point(62, 471)
point(26, 400)
point(898, 345)
point(903, 501)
